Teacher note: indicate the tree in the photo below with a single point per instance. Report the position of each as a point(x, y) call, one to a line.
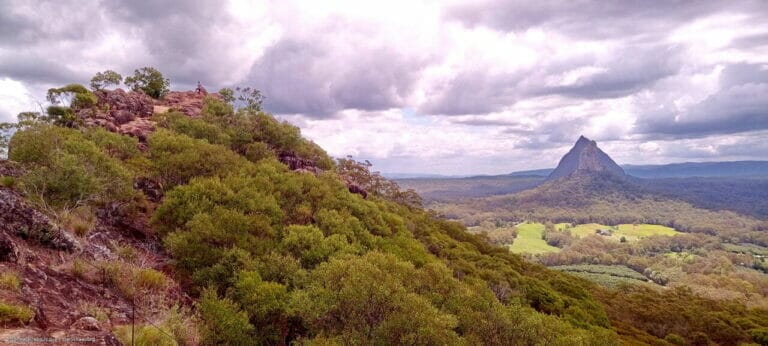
point(103, 79)
point(72, 95)
point(243, 98)
point(150, 81)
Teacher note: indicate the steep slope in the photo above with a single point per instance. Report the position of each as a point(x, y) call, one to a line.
point(585, 158)
point(256, 236)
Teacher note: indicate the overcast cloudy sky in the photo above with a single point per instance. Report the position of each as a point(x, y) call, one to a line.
point(450, 87)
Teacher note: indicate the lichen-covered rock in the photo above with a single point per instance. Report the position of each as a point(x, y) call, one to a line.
point(114, 101)
point(150, 187)
point(17, 217)
point(10, 169)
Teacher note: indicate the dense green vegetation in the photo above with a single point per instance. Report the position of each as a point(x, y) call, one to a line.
point(275, 256)
point(610, 276)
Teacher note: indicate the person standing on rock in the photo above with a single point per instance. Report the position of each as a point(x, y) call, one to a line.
point(200, 89)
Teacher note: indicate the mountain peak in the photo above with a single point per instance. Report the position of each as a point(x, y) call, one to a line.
point(585, 158)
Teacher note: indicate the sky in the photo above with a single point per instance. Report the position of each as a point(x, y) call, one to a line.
point(443, 87)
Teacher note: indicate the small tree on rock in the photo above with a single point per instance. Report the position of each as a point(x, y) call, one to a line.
point(150, 81)
point(104, 79)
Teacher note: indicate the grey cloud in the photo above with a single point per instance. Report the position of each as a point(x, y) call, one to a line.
point(594, 19)
point(626, 72)
point(309, 77)
point(36, 69)
point(751, 41)
point(630, 71)
point(740, 105)
point(474, 92)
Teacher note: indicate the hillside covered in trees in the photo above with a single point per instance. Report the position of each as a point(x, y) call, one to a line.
point(183, 218)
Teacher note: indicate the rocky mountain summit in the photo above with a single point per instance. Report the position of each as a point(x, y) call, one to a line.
point(585, 159)
point(130, 113)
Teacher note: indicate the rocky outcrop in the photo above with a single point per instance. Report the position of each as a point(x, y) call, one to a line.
point(297, 163)
point(584, 159)
point(123, 112)
point(187, 102)
point(18, 218)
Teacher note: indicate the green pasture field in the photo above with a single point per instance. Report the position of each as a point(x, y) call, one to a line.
point(529, 240)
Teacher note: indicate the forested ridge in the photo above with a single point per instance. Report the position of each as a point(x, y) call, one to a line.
point(259, 252)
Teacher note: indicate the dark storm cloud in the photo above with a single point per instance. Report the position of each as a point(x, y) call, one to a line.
point(740, 105)
point(182, 38)
point(312, 78)
point(593, 19)
point(180, 35)
point(25, 22)
point(36, 69)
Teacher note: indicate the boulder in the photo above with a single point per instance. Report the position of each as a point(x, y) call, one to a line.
point(19, 218)
point(86, 323)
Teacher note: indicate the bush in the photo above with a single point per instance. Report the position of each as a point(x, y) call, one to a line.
point(150, 280)
point(113, 144)
point(66, 170)
point(195, 128)
point(79, 220)
point(150, 81)
point(61, 116)
point(145, 335)
point(178, 158)
point(15, 314)
point(223, 321)
point(10, 281)
point(6, 181)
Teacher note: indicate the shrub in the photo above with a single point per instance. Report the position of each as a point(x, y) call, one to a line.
point(178, 158)
point(223, 321)
point(113, 144)
point(15, 314)
point(61, 116)
point(195, 128)
point(150, 280)
point(145, 335)
point(78, 269)
point(10, 281)
point(6, 181)
point(148, 80)
point(66, 170)
point(79, 220)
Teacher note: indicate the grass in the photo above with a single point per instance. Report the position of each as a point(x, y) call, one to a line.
point(6, 181)
point(10, 281)
point(80, 220)
point(529, 240)
point(630, 232)
point(15, 314)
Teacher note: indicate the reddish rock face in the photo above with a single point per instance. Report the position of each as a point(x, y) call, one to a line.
point(123, 112)
point(187, 102)
point(114, 101)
